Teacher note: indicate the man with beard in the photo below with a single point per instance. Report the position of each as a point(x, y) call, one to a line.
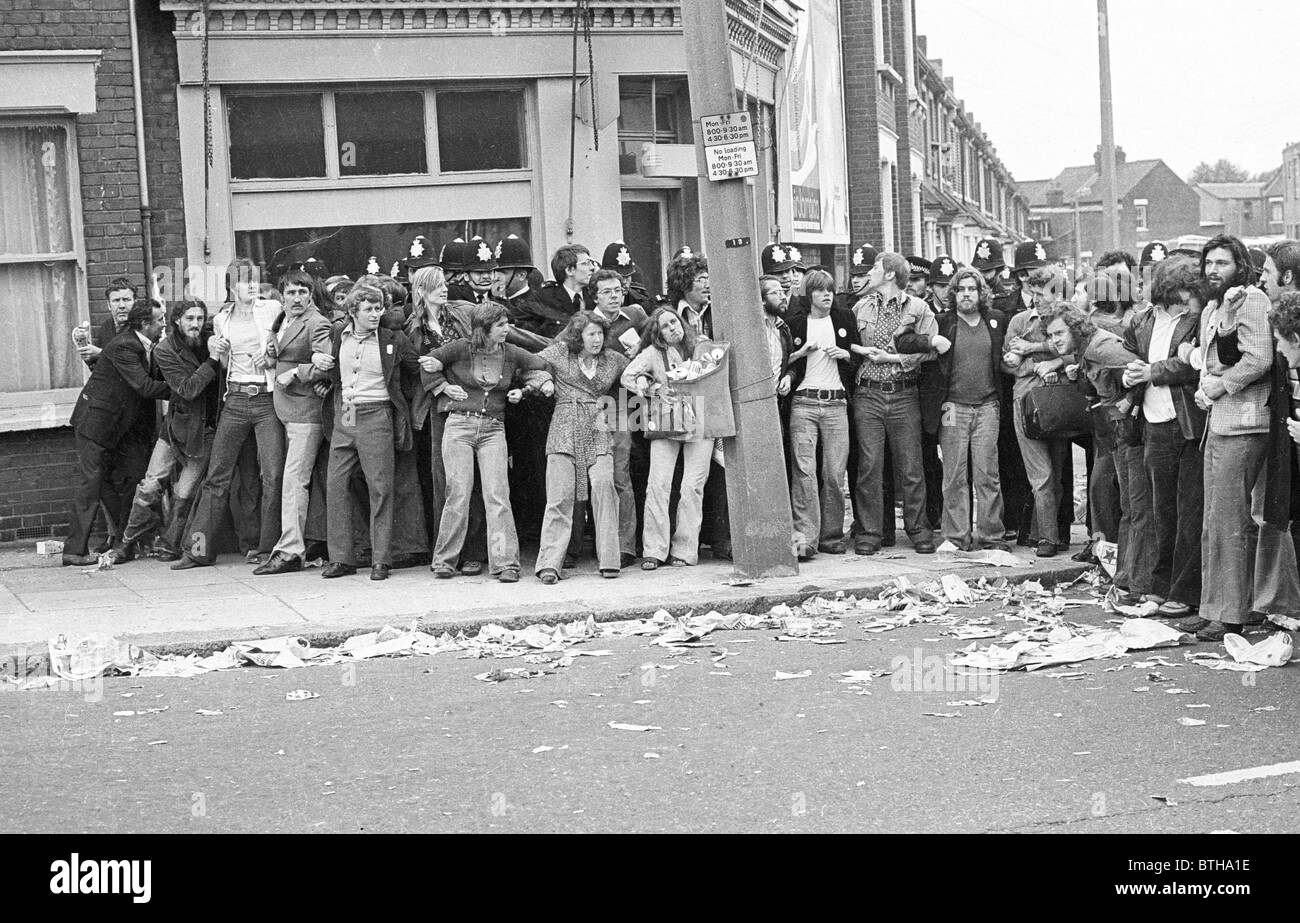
point(113, 424)
point(959, 402)
point(1236, 358)
point(782, 261)
point(779, 345)
point(181, 360)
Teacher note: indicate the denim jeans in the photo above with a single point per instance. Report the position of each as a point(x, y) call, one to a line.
point(468, 439)
point(557, 522)
point(303, 440)
point(1103, 496)
point(685, 540)
point(1233, 464)
point(819, 515)
point(1043, 462)
point(972, 431)
point(622, 461)
point(241, 416)
point(1136, 525)
point(1174, 467)
point(149, 494)
point(877, 415)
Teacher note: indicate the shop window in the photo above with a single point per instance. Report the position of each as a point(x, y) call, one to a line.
point(348, 248)
point(276, 137)
point(39, 298)
point(380, 133)
point(480, 130)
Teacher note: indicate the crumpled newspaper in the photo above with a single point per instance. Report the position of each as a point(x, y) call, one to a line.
point(1071, 644)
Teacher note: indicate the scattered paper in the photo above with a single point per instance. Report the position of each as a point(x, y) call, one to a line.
point(542, 749)
point(620, 726)
point(940, 714)
point(1190, 722)
point(804, 674)
point(300, 695)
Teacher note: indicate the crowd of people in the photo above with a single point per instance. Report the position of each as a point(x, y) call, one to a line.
point(432, 415)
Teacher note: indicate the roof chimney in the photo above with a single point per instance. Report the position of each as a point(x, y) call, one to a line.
point(1055, 197)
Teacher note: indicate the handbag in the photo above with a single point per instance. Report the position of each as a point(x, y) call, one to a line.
point(1058, 411)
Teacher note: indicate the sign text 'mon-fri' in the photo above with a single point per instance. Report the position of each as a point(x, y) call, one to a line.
point(729, 150)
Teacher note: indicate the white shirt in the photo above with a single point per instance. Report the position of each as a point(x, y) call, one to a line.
point(1158, 402)
point(823, 373)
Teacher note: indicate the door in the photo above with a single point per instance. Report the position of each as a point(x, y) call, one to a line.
point(643, 232)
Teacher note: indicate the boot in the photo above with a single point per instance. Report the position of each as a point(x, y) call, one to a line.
point(121, 552)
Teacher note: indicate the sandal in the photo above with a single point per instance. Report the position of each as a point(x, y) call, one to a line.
point(442, 571)
point(650, 564)
point(548, 576)
point(609, 573)
point(509, 575)
point(677, 562)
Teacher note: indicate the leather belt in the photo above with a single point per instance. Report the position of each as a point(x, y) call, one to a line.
point(888, 387)
point(823, 394)
point(475, 413)
point(248, 389)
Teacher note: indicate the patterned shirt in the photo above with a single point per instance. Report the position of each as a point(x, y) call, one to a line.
point(887, 321)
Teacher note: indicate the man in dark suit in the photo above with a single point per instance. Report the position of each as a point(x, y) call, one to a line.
point(572, 268)
point(371, 424)
point(113, 424)
point(120, 295)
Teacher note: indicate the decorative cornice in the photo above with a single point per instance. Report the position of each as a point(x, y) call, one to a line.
point(230, 18)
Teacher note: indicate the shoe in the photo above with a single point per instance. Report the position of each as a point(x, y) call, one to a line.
point(121, 553)
point(186, 563)
point(923, 547)
point(609, 573)
point(279, 564)
point(1158, 600)
point(627, 560)
point(442, 571)
point(1192, 624)
point(570, 562)
point(677, 562)
point(887, 542)
point(1254, 618)
point(839, 547)
point(1085, 556)
point(651, 564)
point(1046, 549)
point(509, 575)
point(721, 551)
point(1216, 630)
point(167, 554)
point(255, 557)
point(1010, 535)
point(471, 568)
point(80, 560)
point(379, 571)
point(995, 546)
point(548, 576)
point(806, 553)
point(866, 548)
point(337, 569)
point(1173, 609)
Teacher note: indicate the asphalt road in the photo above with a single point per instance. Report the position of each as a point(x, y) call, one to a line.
point(418, 744)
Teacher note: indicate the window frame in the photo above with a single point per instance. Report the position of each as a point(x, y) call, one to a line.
point(50, 408)
point(434, 174)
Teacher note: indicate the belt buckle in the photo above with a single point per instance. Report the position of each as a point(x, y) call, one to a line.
point(250, 390)
point(889, 387)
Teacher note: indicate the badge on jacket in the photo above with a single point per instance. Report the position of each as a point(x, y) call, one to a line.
point(993, 322)
point(842, 332)
point(390, 349)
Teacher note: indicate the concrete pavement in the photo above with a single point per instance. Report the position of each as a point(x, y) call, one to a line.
point(204, 609)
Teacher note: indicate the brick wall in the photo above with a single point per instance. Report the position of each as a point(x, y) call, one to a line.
point(861, 89)
point(906, 241)
point(40, 469)
point(162, 148)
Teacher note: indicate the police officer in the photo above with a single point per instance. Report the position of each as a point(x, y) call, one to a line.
point(942, 269)
point(918, 277)
point(420, 254)
point(785, 262)
point(618, 257)
point(1152, 253)
point(988, 260)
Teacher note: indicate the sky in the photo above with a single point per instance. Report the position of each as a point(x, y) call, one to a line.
point(1192, 80)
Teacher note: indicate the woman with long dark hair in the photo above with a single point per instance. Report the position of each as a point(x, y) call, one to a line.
point(579, 446)
point(669, 342)
point(479, 376)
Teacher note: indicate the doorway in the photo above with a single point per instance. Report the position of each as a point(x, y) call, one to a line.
point(645, 227)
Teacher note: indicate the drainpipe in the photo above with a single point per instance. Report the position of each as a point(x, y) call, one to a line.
point(146, 213)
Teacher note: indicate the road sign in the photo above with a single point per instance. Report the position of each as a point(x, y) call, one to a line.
point(729, 151)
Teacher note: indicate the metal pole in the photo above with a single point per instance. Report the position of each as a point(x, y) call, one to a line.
point(146, 212)
point(761, 525)
point(1078, 244)
point(1109, 193)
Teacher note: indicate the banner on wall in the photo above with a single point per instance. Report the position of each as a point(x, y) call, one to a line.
point(818, 159)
